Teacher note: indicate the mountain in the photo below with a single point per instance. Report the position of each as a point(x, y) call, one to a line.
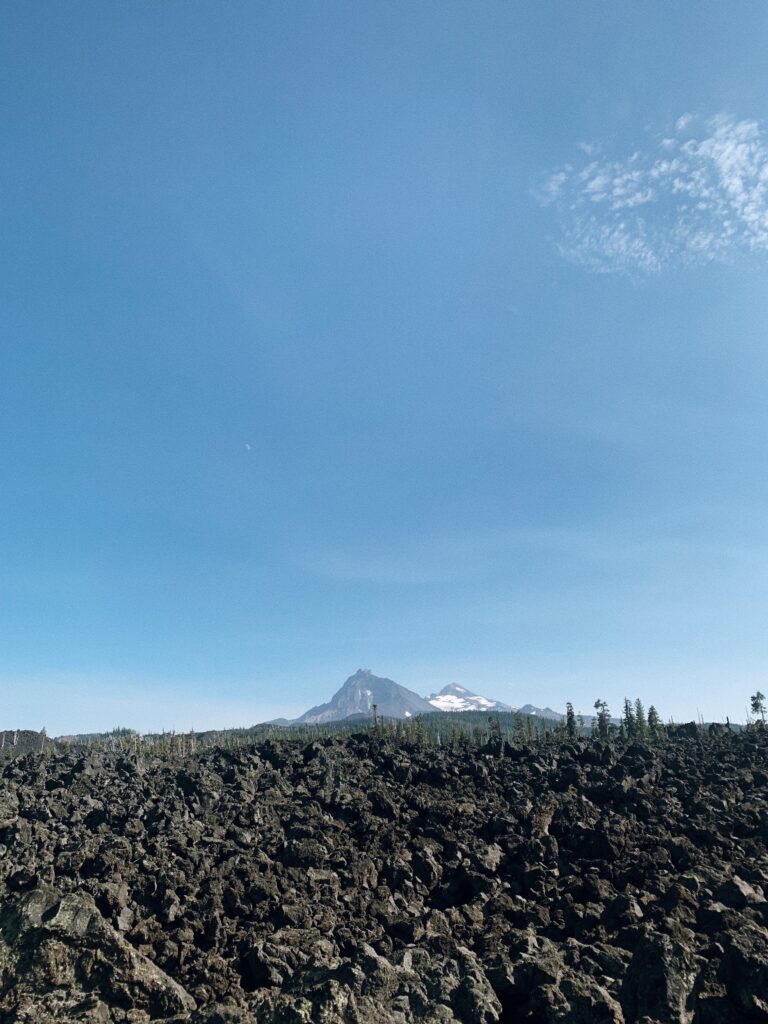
point(358, 695)
point(362, 690)
point(456, 698)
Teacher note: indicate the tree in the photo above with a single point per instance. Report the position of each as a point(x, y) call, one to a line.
point(570, 721)
point(758, 705)
point(495, 739)
point(641, 724)
point(628, 719)
point(602, 719)
point(654, 722)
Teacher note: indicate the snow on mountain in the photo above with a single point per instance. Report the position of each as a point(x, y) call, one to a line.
point(457, 698)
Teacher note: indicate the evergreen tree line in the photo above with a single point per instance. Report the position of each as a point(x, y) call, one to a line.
point(465, 729)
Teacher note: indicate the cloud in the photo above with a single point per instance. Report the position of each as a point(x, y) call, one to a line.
point(696, 195)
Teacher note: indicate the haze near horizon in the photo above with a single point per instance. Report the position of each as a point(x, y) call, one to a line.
point(426, 337)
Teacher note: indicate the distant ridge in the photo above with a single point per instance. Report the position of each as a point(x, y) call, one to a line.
point(530, 709)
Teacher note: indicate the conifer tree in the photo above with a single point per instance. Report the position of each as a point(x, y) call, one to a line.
point(570, 721)
point(628, 719)
point(603, 719)
point(757, 702)
point(495, 738)
point(654, 722)
point(641, 723)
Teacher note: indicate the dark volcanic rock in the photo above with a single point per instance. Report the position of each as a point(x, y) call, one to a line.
point(69, 960)
point(659, 981)
point(739, 894)
point(366, 880)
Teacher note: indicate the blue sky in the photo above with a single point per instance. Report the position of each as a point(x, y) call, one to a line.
point(427, 337)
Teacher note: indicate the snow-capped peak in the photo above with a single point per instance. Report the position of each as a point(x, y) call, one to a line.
point(458, 698)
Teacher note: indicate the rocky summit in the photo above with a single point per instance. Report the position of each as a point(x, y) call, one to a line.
point(378, 880)
point(360, 694)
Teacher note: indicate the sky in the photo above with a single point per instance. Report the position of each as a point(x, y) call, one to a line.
point(427, 338)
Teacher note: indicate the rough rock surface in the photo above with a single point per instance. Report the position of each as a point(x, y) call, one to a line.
point(367, 881)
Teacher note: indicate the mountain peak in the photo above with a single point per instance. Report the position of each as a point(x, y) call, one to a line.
point(360, 692)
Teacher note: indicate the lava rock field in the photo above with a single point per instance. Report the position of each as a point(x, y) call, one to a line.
point(371, 880)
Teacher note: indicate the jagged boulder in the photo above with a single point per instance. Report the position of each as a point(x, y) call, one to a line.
point(9, 806)
point(744, 972)
point(659, 981)
point(737, 893)
point(59, 956)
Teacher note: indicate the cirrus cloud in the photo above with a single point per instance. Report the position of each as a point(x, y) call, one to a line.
point(696, 195)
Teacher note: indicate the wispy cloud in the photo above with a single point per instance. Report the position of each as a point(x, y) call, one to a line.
point(695, 195)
